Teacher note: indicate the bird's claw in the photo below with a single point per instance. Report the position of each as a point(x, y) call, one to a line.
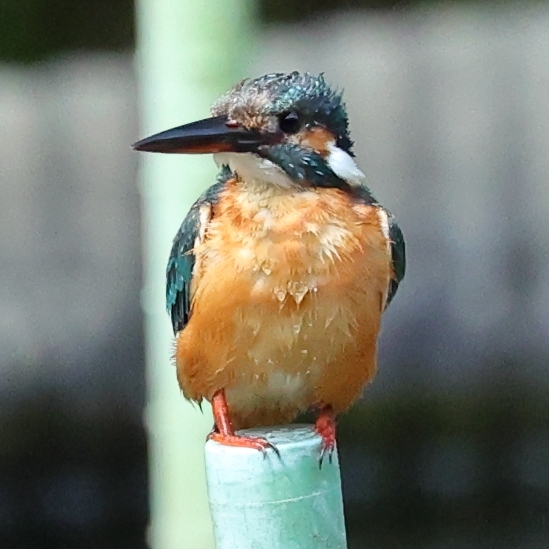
point(326, 450)
point(325, 426)
point(254, 443)
point(223, 431)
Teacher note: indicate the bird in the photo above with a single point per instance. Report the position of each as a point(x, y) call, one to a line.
point(282, 269)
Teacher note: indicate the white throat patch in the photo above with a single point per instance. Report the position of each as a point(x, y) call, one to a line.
point(343, 165)
point(251, 167)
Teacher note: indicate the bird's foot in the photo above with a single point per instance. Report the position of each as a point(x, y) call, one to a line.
point(224, 433)
point(325, 426)
point(254, 443)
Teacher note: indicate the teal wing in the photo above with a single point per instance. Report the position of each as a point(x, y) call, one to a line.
point(398, 246)
point(179, 272)
point(398, 256)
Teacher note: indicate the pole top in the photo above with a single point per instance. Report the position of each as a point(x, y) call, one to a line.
point(266, 501)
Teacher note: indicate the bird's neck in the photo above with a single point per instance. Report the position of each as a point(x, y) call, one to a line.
point(255, 196)
point(263, 182)
point(257, 173)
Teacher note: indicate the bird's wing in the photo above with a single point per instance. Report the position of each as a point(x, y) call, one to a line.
point(398, 256)
point(396, 240)
point(179, 272)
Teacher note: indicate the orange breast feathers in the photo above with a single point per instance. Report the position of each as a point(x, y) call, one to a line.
point(288, 290)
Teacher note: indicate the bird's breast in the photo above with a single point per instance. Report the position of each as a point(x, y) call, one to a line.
point(288, 245)
point(284, 287)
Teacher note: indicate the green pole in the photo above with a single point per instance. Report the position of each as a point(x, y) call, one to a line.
point(188, 53)
point(267, 502)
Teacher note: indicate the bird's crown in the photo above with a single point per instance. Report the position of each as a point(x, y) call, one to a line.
point(289, 101)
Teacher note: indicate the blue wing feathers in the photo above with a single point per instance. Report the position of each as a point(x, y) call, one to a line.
point(398, 246)
point(179, 271)
point(398, 255)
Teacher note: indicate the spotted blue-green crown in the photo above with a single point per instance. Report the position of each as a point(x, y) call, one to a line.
point(276, 93)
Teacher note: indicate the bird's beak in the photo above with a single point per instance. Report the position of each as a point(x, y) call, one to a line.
point(211, 135)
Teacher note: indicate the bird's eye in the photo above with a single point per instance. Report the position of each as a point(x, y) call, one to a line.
point(289, 122)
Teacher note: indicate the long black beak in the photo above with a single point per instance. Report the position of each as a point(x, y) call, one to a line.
point(211, 135)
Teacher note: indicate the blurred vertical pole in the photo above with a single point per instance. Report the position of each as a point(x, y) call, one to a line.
point(188, 52)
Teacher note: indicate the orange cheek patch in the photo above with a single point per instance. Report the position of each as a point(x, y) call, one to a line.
point(318, 139)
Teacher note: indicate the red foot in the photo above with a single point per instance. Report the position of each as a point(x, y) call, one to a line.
point(224, 432)
point(325, 426)
point(255, 443)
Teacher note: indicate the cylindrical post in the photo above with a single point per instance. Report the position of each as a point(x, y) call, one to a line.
point(272, 502)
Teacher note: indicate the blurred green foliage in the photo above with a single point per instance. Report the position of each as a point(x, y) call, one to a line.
point(33, 30)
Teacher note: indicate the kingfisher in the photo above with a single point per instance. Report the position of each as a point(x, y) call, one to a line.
point(281, 270)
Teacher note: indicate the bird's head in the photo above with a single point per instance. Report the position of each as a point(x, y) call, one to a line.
point(281, 129)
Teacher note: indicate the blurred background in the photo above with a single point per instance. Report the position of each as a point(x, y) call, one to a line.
point(449, 108)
